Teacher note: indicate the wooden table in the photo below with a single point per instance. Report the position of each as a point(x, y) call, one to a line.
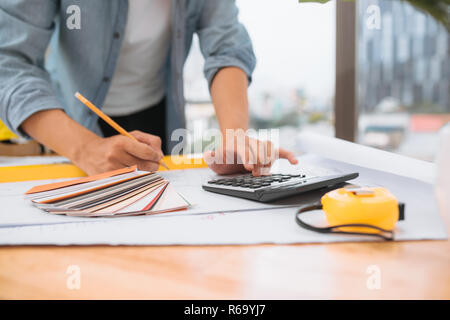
point(408, 270)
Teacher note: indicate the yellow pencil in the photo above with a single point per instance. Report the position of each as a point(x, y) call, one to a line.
point(108, 120)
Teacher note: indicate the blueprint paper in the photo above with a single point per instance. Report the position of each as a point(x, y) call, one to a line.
point(252, 223)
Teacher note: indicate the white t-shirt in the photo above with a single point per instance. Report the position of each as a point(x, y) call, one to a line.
point(138, 80)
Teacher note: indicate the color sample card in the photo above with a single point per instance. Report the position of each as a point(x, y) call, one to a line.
point(122, 192)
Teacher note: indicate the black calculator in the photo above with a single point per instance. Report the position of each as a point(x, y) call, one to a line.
point(274, 186)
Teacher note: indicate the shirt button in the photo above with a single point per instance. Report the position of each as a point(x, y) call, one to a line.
point(116, 35)
point(105, 79)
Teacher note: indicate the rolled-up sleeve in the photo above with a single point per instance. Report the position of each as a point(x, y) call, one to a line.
point(25, 88)
point(224, 41)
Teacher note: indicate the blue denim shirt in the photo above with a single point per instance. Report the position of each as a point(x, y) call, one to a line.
point(84, 59)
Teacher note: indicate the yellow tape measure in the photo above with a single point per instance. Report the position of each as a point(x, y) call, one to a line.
point(355, 210)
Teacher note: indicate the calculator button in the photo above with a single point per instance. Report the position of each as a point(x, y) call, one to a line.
point(249, 181)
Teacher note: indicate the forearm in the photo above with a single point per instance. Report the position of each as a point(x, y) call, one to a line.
point(230, 100)
point(229, 96)
point(57, 131)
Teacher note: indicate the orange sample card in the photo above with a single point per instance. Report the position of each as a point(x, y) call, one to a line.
point(57, 185)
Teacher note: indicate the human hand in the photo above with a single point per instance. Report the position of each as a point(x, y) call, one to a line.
point(248, 155)
point(104, 154)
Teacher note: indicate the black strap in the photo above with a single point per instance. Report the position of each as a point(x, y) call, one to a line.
point(384, 234)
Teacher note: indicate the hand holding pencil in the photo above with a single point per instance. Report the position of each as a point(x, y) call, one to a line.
point(138, 148)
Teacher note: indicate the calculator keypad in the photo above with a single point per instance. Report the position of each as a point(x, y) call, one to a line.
point(251, 182)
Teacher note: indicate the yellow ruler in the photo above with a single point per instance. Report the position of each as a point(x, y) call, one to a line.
point(57, 171)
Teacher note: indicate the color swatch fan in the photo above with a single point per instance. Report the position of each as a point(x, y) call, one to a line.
point(123, 192)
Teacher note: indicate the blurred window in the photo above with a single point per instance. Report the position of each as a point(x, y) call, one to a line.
point(403, 84)
point(293, 84)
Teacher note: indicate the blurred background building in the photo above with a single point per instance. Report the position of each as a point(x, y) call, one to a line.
point(403, 79)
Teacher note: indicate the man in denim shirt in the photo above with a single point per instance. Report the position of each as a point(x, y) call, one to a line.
point(128, 57)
